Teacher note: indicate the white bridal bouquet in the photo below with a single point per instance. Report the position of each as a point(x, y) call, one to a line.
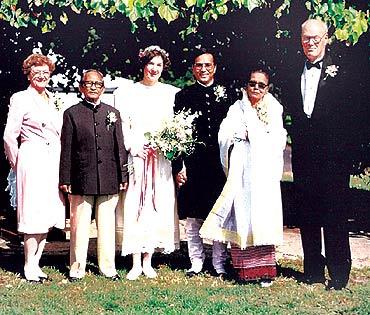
point(175, 136)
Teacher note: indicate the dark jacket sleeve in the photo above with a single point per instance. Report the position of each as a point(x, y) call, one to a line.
point(121, 150)
point(66, 150)
point(178, 162)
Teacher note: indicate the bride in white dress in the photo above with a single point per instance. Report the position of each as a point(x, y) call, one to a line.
point(149, 215)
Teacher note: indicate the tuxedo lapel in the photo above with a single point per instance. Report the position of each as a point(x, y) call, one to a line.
point(326, 62)
point(321, 103)
point(299, 88)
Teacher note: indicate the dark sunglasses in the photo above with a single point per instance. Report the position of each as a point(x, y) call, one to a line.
point(260, 85)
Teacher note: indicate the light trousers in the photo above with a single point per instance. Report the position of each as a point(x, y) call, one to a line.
point(196, 251)
point(80, 210)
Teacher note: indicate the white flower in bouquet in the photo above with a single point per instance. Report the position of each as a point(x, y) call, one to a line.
point(175, 136)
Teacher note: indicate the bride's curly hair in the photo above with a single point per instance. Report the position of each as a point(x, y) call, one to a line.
point(147, 54)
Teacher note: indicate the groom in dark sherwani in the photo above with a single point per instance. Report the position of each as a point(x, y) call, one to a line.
point(201, 177)
point(322, 105)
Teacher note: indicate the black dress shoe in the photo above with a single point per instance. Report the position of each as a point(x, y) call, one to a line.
point(44, 279)
point(192, 273)
point(222, 276)
point(313, 279)
point(73, 279)
point(335, 285)
point(114, 278)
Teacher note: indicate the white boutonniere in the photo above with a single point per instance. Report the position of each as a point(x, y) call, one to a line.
point(58, 103)
point(220, 92)
point(110, 119)
point(331, 71)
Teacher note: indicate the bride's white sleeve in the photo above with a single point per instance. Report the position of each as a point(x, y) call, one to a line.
point(132, 141)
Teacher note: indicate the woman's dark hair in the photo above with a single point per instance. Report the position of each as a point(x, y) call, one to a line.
point(37, 60)
point(152, 51)
point(260, 70)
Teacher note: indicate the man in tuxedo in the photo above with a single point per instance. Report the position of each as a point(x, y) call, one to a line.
point(93, 168)
point(322, 104)
point(200, 175)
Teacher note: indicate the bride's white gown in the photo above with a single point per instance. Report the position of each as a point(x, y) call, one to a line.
point(148, 207)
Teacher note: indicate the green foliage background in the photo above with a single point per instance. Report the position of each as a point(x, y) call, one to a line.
point(349, 23)
point(107, 34)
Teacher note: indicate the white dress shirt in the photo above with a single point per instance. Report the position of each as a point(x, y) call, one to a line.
point(309, 83)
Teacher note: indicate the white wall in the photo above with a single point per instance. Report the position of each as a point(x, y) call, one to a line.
point(115, 89)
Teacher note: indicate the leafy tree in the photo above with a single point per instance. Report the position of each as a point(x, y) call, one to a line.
point(349, 22)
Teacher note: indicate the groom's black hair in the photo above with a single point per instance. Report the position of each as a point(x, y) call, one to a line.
point(201, 51)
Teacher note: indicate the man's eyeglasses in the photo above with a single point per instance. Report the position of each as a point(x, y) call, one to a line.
point(40, 73)
point(89, 84)
point(260, 85)
point(315, 39)
point(200, 65)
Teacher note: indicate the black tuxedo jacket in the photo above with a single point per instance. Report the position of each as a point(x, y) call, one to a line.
point(322, 144)
point(93, 157)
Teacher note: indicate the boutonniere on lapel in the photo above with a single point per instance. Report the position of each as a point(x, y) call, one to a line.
point(110, 119)
point(331, 71)
point(220, 92)
point(58, 103)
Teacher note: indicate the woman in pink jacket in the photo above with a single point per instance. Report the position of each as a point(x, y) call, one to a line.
point(32, 146)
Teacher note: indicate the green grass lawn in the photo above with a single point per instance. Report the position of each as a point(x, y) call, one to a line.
point(173, 293)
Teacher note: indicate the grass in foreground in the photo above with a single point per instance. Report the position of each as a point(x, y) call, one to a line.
point(173, 293)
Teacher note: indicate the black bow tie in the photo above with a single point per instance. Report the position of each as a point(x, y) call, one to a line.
point(310, 65)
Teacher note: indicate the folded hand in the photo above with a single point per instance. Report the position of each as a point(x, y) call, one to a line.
point(181, 178)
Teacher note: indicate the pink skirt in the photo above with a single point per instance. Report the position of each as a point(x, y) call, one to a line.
point(255, 262)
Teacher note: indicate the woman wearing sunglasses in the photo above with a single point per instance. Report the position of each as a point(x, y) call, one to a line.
point(248, 212)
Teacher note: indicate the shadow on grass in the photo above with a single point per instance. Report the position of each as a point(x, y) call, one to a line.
point(57, 257)
point(288, 272)
point(179, 261)
point(12, 260)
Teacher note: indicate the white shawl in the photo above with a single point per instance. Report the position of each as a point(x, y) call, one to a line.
point(249, 211)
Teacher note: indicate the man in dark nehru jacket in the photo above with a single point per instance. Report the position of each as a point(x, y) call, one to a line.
point(200, 175)
point(93, 168)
